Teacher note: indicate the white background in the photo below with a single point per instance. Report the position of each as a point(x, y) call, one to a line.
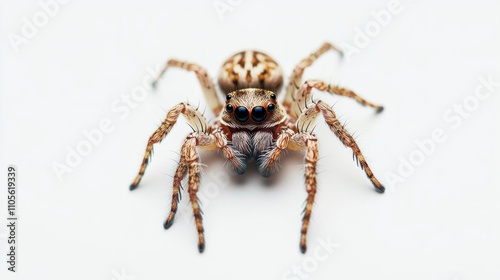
point(441, 222)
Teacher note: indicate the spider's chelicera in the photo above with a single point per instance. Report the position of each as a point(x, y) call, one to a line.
point(253, 124)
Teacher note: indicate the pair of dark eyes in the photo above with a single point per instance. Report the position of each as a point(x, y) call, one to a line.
point(270, 108)
point(258, 113)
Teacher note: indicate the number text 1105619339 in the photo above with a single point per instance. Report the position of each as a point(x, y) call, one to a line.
point(11, 218)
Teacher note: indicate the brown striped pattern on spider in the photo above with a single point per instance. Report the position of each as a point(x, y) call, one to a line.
point(253, 124)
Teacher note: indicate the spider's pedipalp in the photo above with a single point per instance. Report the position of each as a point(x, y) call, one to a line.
point(235, 159)
point(268, 162)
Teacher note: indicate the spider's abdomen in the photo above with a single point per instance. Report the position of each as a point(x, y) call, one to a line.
point(250, 69)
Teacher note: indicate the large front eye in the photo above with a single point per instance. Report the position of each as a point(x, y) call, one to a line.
point(258, 113)
point(241, 114)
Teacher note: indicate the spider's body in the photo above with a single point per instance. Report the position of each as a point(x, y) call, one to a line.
point(250, 69)
point(253, 124)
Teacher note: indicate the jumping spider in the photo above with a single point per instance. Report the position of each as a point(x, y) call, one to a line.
point(254, 124)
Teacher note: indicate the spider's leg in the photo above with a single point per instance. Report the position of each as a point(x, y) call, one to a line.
point(180, 172)
point(298, 71)
point(303, 95)
point(205, 81)
point(310, 173)
point(299, 141)
point(195, 119)
point(192, 160)
point(308, 117)
point(289, 140)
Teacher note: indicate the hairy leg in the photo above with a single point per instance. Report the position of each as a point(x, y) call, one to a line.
point(310, 143)
point(180, 172)
point(303, 96)
point(309, 116)
point(205, 81)
point(298, 71)
point(190, 161)
point(195, 119)
point(193, 162)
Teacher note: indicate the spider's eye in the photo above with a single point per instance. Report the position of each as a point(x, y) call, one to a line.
point(229, 108)
point(241, 114)
point(258, 113)
point(228, 97)
point(273, 96)
point(271, 108)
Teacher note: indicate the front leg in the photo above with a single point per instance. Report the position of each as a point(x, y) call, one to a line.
point(180, 173)
point(190, 161)
point(193, 161)
point(309, 116)
point(310, 143)
point(291, 141)
point(195, 119)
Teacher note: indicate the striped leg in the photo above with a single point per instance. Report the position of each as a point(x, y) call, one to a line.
point(303, 95)
point(195, 119)
point(334, 89)
point(205, 81)
point(176, 195)
point(192, 160)
point(308, 141)
point(348, 141)
point(304, 139)
point(310, 114)
point(298, 71)
point(289, 140)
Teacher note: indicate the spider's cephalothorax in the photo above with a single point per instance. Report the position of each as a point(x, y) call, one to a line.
point(252, 118)
point(253, 124)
